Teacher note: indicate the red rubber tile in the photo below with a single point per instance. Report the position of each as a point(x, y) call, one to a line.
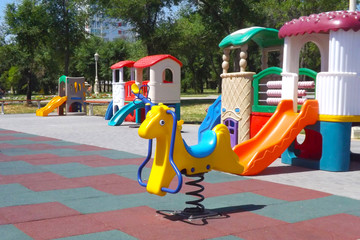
point(144, 223)
point(41, 138)
point(28, 178)
point(7, 131)
point(341, 224)
point(111, 183)
point(5, 158)
point(289, 231)
point(8, 145)
point(35, 156)
point(62, 227)
point(55, 184)
point(85, 148)
point(34, 212)
point(3, 220)
point(100, 180)
point(244, 221)
point(7, 138)
point(39, 146)
point(264, 188)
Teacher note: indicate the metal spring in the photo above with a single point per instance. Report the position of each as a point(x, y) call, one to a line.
point(198, 207)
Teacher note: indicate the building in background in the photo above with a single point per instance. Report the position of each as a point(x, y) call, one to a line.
point(109, 28)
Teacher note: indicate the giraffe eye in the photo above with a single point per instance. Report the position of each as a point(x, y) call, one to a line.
point(162, 122)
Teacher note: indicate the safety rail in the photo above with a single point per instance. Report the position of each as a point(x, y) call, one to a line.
point(272, 89)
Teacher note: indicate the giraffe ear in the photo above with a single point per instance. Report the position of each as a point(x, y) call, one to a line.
point(180, 123)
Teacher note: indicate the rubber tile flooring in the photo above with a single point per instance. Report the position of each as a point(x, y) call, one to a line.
point(53, 189)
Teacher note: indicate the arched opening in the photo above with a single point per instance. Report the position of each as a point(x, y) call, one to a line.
point(309, 66)
point(310, 57)
point(75, 107)
point(167, 76)
point(309, 145)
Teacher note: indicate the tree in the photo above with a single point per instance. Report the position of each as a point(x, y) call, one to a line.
point(67, 20)
point(27, 21)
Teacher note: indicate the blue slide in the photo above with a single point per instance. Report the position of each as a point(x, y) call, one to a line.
point(120, 115)
point(109, 111)
point(213, 118)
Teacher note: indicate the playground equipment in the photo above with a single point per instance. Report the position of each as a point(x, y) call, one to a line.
point(337, 85)
point(173, 157)
point(71, 97)
point(327, 120)
point(163, 86)
point(122, 107)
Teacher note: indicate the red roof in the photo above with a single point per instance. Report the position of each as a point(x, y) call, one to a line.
point(152, 60)
point(121, 64)
point(322, 23)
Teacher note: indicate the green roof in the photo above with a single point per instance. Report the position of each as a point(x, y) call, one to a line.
point(62, 79)
point(264, 37)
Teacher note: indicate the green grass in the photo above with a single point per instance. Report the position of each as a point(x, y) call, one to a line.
point(192, 111)
point(207, 92)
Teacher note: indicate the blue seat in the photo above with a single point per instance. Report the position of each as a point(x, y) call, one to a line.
point(205, 147)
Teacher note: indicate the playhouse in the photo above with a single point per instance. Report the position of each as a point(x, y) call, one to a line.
point(250, 99)
point(71, 98)
point(163, 86)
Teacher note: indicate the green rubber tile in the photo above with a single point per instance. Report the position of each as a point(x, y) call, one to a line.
point(22, 135)
point(107, 203)
point(18, 167)
point(73, 170)
point(24, 198)
point(240, 202)
point(116, 202)
point(293, 212)
point(64, 167)
point(132, 169)
point(62, 195)
point(230, 237)
point(355, 213)
point(168, 202)
point(17, 151)
point(13, 188)
point(133, 175)
point(108, 235)
point(10, 232)
point(219, 177)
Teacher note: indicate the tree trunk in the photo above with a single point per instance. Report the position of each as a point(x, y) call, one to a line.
point(29, 88)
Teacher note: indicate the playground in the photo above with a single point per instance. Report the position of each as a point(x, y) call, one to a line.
point(245, 173)
point(79, 184)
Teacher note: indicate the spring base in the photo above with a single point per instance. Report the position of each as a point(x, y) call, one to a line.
point(197, 211)
point(193, 214)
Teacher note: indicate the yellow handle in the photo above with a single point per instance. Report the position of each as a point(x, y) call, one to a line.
point(135, 89)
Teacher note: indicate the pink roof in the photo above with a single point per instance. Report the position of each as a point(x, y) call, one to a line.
point(121, 64)
point(321, 23)
point(152, 60)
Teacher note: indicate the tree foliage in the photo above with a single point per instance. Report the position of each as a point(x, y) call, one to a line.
point(44, 39)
